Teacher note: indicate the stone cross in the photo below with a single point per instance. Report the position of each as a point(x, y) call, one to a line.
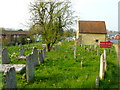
point(35, 56)
point(10, 78)
point(30, 68)
point(101, 67)
point(21, 51)
point(5, 57)
point(41, 59)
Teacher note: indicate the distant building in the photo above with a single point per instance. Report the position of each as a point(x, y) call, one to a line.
point(10, 36)
point(91, 32)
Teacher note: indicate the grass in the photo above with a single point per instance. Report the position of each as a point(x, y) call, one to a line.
point(60, 70)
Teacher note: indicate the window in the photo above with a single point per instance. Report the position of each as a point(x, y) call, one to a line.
point(96, 40)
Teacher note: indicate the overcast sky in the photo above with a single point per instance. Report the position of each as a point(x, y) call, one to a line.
point(15, 13)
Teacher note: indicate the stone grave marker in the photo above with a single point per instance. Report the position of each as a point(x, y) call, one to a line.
point(21, 51)
point(105, 61)
point(44, 51)
point(35, 56)
point(81, 63)
point(30, 68)
point(45, 46)
point(74, 53)
point(95, 47)
point(10, 78)
point(101, 67)
point(97, 82)
point(5, 56)
point(98, 51)
point(41, 59)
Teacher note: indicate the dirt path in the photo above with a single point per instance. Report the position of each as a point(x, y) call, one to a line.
point(118, 55)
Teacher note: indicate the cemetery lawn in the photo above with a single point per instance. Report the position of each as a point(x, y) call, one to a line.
point(60, 70)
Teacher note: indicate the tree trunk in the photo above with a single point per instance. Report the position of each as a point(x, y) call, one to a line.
point(48, 47)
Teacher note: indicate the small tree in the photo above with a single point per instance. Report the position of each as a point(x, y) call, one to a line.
point(49, 19)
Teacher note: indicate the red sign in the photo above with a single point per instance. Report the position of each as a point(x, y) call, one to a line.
point(107, 44)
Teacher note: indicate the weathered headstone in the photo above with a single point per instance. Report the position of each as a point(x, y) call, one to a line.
point(44, 51)
point(35, 56)
point(21, 51)
point(95, 47)
point(97, 82)
point(74, 53)
point(105, 61)
point(101, 67)
point(45, 46)
point(10, 78)
point(81, 63)
point(5, 57)
point(98, 51)
point(41, 59)
point(30, 68)
point(110, 50)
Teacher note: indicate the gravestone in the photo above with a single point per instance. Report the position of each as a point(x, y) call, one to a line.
point(21, 51)
point(41, 59)
point(74, 53)
point(98, 51)
point(81, 63)
point(101, 67)
point(97, 82)
point(35, 56)
point(95, 47)
point(30, 68)
point(5, 56)
point(45, 46)
point(10, 78)
point(110, 50)
point(44, 50)
point(105, 61)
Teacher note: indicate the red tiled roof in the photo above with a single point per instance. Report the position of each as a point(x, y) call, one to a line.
point(97, 27)
point(14, 32)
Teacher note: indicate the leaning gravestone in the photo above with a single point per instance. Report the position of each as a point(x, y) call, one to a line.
point(10, 78)
point(5, 57)
point(30, 68)
point(41, 59)
point(35, 56)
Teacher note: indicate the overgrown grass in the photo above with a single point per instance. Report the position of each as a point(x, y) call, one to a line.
point(60, 70)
